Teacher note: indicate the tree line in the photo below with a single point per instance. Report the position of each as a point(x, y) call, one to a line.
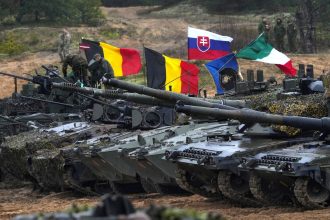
point(75, 11)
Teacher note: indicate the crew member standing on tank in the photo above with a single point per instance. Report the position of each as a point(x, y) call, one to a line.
point(292, 36)
point(64, 44)
point(279, 34)
point(79, 68)
point(99, 68)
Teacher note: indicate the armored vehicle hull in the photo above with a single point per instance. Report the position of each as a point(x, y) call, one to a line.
point(299, 173)
point(47, 165)
point(86, 153)
point(215, 163)
point(117, 156)
point(147, 158)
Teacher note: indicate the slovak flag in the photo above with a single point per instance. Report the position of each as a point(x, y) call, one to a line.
point(205, 45)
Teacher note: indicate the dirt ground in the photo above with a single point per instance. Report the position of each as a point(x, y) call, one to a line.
point(23, 201)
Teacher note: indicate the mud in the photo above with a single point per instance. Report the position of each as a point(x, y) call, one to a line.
point(24, 201)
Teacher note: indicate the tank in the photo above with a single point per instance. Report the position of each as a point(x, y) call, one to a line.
point(144, 160)
point(14, 154)
point(40, 99)
point(47, 164)
point(82, 165)
point(216, 161)
point(152, 178)
point(298, 173)
point(117, 156)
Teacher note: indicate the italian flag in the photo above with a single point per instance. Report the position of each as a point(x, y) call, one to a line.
point(260, 50)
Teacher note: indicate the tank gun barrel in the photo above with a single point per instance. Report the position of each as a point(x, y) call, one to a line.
point(115, 94)
point(171, 96)
point(16, 76)
point(252, 116)
point(48, 101)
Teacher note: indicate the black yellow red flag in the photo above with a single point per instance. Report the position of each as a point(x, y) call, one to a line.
point(168, 73)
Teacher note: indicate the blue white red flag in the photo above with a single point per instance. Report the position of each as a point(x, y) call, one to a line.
point(205, 45)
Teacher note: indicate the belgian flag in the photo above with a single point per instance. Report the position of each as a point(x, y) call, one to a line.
point(124, 61)
point(164, 72)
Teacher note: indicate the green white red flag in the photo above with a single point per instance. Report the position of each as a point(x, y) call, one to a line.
point(259, 50)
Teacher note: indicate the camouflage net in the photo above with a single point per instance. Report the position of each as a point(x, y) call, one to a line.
point(35, 156)
point(14, 153)
point(308, 106)
point(46, 164)
point(313, 105)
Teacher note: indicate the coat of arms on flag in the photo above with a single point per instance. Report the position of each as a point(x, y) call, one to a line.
point(205, 45)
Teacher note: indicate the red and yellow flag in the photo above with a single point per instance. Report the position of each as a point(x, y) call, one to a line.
point(124, 61)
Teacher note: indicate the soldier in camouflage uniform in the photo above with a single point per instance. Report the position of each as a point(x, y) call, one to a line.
point(64, 44)
point(264, 27)
point(267, 33)
point(79, 68)
point(291, 32)
point(279, 34)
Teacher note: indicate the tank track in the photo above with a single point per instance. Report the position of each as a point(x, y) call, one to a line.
point(239, 196)
point(183, 182)
point(301, 193)
point(258, 191)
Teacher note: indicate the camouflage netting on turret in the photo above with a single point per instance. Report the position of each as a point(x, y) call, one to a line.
point(313, 105)
point(309, 106)
point(14, 153)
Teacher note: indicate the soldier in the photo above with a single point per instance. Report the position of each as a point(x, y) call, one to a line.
point(279, 33)
point(79, 68)
point(64, 44)
point(267, 33)
point(99, 67)
point(262, 25)
point(291, 32)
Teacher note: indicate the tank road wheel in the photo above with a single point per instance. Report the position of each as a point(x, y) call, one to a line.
point(235, 188)
point(193, 184)
point(310, 193)
point(148, 186)
point(268, 191)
